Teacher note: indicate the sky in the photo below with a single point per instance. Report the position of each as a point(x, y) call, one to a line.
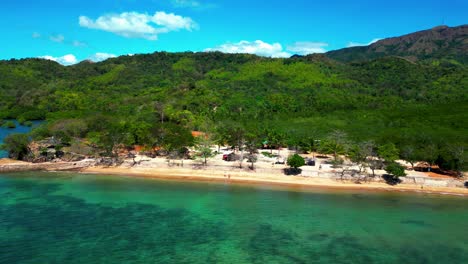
point(69, 31)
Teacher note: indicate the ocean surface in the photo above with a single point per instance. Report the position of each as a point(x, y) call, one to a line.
point(75, 218)
point(19, 129)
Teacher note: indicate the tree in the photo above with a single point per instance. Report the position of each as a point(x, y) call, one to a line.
point(459, 155)
point(371, 159)
point(335, 144)
point(203, 148)
point(395, 169)
point(293, 139)
point(360, 154)
point(457, 158)
point(275, 138)
point(175, 137)
point(17, 146)
point(111, 139)
point(308, 142)
point(388, 152)
point(430, 153)
point(252, 158)
point(9, 124)
point(251, 146)
point(140, 132)
point(374, 164)
point(295, 161)
point(408, 154)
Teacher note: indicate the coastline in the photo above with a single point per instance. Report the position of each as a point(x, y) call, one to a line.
point(262, 176)
point(246, 178)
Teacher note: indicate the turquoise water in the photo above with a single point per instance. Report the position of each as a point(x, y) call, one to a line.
point(71, 218)
point(19, 129)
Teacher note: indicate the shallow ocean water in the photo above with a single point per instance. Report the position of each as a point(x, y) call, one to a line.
point(18, 129)
point(75, 218)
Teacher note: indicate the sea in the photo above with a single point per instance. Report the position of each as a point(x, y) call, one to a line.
point(79, 218)
point(18, 129)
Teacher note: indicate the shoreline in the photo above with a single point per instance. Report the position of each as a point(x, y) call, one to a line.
point(296, 182)
point(158, 169)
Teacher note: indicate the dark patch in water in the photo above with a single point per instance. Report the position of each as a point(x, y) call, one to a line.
point(318, 237)
point(269, 245)
point(435, 253)
point(67, 230)
point(348, 249)
point(416, 223)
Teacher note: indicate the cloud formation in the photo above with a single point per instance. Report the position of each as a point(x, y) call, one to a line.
point(138, 25)
point(257, 47)
point(101, 56)
point(193, 4)
point(57, 38)
point(357, 44)
point(274, 50)
point(77, 43)
point(185, 3)
point(68, 59)
point(71, 59)
point(304, 48)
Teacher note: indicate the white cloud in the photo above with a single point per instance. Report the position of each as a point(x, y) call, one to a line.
point(77, 43)
point(257, 47)
point(185, 3)
point(68, 59)
point(36, 35)
point(101, 56)
point(138, 25)
point(304, 48)
point(173, 22)
point(357, 44)
point(193, 4)
point(57, 38)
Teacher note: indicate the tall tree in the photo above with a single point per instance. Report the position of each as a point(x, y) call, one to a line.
point(335, 144)
point(388, 152)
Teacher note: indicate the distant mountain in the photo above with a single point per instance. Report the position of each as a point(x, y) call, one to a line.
point(439, 43)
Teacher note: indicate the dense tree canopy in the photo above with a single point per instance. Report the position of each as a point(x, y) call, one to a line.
point(156, 99)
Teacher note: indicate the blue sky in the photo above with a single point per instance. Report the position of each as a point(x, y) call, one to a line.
point(69, 31)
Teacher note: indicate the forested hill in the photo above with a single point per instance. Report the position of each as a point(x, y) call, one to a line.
point(151, 96)
point(433, 45)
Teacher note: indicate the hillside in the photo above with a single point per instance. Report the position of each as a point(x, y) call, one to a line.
point(156, 99)
point(439, 43)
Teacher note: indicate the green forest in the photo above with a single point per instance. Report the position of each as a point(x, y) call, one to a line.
point(156, 100)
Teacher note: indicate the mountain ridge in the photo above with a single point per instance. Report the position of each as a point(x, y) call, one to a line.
point(438, 43)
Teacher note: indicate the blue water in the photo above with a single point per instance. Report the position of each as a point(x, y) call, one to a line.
point(76, 218)
point(19, 129)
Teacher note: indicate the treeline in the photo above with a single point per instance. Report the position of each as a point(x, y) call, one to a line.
point(106, 136)
point(157, 99)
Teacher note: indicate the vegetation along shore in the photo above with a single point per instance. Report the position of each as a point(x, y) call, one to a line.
point(393, 112)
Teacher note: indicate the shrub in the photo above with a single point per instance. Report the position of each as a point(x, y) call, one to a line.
point(267, 154)
point(17, 146)
point(395, 169)
point(295, 161)
point(9, 124)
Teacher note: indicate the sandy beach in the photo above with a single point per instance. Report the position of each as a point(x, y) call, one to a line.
point(242, 177)
point(266, 172)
